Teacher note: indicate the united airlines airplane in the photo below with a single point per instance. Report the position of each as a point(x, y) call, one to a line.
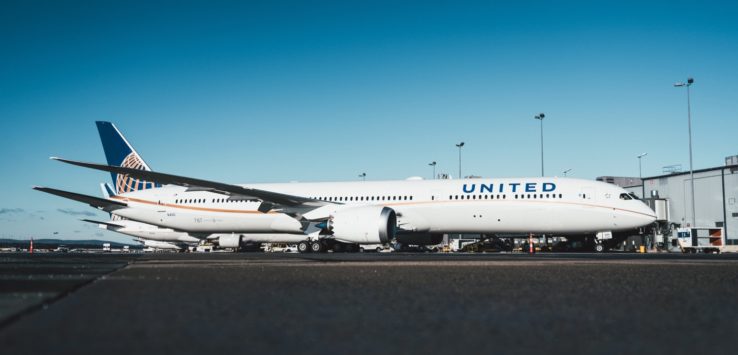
point(324, 214)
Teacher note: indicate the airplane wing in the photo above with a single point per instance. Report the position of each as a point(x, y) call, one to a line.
point(99, 203)
point(269, 197)
point(110, 224)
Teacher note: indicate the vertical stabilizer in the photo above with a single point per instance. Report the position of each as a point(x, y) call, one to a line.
point(119, 152)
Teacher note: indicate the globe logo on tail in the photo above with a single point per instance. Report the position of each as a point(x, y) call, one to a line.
point(125, 183)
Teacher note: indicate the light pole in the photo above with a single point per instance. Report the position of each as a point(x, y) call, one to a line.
point(363, 176)
point(689, 83)
point(640, 175)
point(566, 172)
point(540, 117)
point(433, 164)
point(459, 146)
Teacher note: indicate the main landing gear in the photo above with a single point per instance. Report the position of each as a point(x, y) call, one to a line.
point(322, 246)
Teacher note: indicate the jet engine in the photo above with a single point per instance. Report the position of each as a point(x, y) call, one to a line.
point(229, 241)
point(365, 225)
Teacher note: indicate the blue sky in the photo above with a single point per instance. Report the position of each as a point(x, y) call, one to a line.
point(265, 91)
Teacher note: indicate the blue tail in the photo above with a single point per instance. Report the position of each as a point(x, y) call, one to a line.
point(120, 153)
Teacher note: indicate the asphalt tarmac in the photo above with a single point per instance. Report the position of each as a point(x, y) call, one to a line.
point(368, 303)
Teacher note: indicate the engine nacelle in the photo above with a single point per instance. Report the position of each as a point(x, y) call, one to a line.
point(229, 241)
point(366, 225)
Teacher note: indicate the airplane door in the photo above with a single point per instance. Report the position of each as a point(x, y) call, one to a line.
point(587, 194)
point(435, 195)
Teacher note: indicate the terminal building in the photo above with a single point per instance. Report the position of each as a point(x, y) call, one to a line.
point(670, 195)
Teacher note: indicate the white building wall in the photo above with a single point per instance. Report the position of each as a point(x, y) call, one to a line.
point(708, 198)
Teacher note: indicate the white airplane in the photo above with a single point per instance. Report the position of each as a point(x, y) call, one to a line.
point(363, 212)
point(119, 151)
point(153, 245)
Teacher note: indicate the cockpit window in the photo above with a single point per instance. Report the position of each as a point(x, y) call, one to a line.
point(625, 197)
point(633, 196)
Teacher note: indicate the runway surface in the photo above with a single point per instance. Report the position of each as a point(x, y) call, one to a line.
point(368, 303)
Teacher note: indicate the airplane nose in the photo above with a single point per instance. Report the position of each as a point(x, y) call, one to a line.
point(649, 216)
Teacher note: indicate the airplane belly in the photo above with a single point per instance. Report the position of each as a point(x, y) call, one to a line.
point(225, 222)
point(273, 238)
point(211, 222)
point(541, 218)
point(516, 217)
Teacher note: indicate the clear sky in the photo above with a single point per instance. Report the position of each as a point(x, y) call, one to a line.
point(272, 91)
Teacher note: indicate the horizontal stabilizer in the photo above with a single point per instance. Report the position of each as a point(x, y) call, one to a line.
point(100, 203)
point(107, 223)
point(226, 189)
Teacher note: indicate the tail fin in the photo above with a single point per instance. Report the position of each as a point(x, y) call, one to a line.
point(120, 153)
point(107, 190)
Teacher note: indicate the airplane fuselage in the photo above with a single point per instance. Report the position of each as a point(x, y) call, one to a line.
point(526, 205)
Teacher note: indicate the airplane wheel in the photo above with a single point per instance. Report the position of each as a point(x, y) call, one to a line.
point(600, 248)
point(316, 247)
point(337, 248)
point(303, 247)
